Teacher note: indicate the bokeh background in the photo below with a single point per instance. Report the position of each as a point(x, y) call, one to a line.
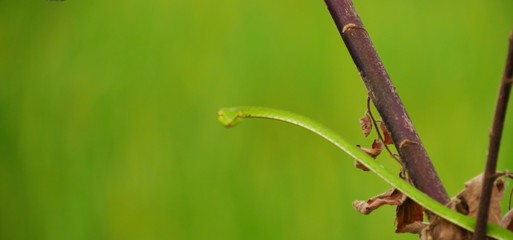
point(108, 110)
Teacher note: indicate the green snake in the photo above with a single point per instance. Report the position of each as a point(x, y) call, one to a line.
point(231, 116)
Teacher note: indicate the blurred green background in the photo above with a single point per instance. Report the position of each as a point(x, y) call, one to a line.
point(108, 109)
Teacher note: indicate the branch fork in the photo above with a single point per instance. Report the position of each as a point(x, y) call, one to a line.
point(382, 92)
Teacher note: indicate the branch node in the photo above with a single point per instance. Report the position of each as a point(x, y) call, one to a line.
point(406, 142)
point(350, 26)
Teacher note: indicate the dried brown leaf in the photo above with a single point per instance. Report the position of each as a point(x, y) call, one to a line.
point(390, 197)
point(507, 220)
point(359, 165)
point(375, 150)
point(407, 215)
point(467, 202)
point(387, 138)
point(442, 229)
point(415, 227)
point(366, 125)
point(472, 194)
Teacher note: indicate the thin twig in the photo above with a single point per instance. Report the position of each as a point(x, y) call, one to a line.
point(369, 112)
point(495, 142)
point(382, 92)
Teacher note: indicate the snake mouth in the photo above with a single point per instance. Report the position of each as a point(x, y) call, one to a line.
point(229, 117)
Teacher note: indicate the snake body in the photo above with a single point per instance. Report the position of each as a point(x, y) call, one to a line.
point(232, 116)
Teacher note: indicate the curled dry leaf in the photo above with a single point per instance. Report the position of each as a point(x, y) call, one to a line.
point(409, 214)
point(466, 202)
point(472, 194)
point(387, 138)
point(366, 125)
point(374, 151)
point(390, 197)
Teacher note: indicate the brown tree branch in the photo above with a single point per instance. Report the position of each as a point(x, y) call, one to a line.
point(387, 102)
point(489, 175)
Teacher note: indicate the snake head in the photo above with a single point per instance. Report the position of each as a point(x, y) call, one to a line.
point(229, 117)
